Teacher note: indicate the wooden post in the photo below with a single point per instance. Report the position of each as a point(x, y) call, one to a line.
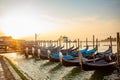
point(53, 42)
point(35, 39)
point(78, 44)
point(49, 43)
point(111, 43)
point(26, 52)
point(41, 43)
point(93, 41)
point(44, 43)
point(69, 43)
point(81, 44)
point(66, 44)
point(80, 59)
point(86, 42)
point(57, 42)
point(118, 49)
point(97, 44)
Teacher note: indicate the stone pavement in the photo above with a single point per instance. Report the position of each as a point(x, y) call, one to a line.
point(2, 76)
point(6, 71)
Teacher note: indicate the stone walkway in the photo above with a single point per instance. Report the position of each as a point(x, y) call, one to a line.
point(2, 76)
point(6, 71)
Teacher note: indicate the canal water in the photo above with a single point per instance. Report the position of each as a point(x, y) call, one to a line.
point(45, 70)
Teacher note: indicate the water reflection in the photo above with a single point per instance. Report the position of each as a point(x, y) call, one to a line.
point(99, 74)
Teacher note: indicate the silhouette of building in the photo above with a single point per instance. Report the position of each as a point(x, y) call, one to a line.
point(63, 38)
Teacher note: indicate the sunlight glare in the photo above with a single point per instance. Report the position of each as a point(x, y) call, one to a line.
point(19, 25)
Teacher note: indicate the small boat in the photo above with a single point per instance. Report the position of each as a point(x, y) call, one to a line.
point(65, 51)
point(89, 54)
point(108, 62)
point(55, 50)
point(44, 54)
point(102, 54)
point(74, 52)
point(56, 57)
point(75, 61)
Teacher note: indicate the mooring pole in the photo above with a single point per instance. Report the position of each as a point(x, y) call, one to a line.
point(35, 39)
point(57, 42)
point(111, 43)
point(86, 42)
point(97, 44)
point(93, 41)
point(67, 46)
point(69, 43)
point(97, 49)
point(118, 48)
point(78, 44)
point(53, 43)
point(81, 44)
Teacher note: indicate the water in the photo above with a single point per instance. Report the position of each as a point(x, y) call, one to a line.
point(45, 70)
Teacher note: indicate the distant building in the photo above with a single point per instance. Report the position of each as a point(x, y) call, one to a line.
point(6, 40)
point(8, 43)
point(63, 38)
point(108, 39)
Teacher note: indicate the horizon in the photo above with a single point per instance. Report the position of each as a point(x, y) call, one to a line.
point(51, 18)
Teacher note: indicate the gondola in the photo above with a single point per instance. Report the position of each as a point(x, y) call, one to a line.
point(89, 54)
point(74, 61)
point(102, 54)
point(55, 50)
point(106, 63)
point(44, 54)
point(56, 57)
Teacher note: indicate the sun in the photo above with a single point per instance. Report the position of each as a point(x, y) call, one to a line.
point(21, 25)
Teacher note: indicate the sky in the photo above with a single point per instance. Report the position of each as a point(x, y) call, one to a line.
point(50, 19)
